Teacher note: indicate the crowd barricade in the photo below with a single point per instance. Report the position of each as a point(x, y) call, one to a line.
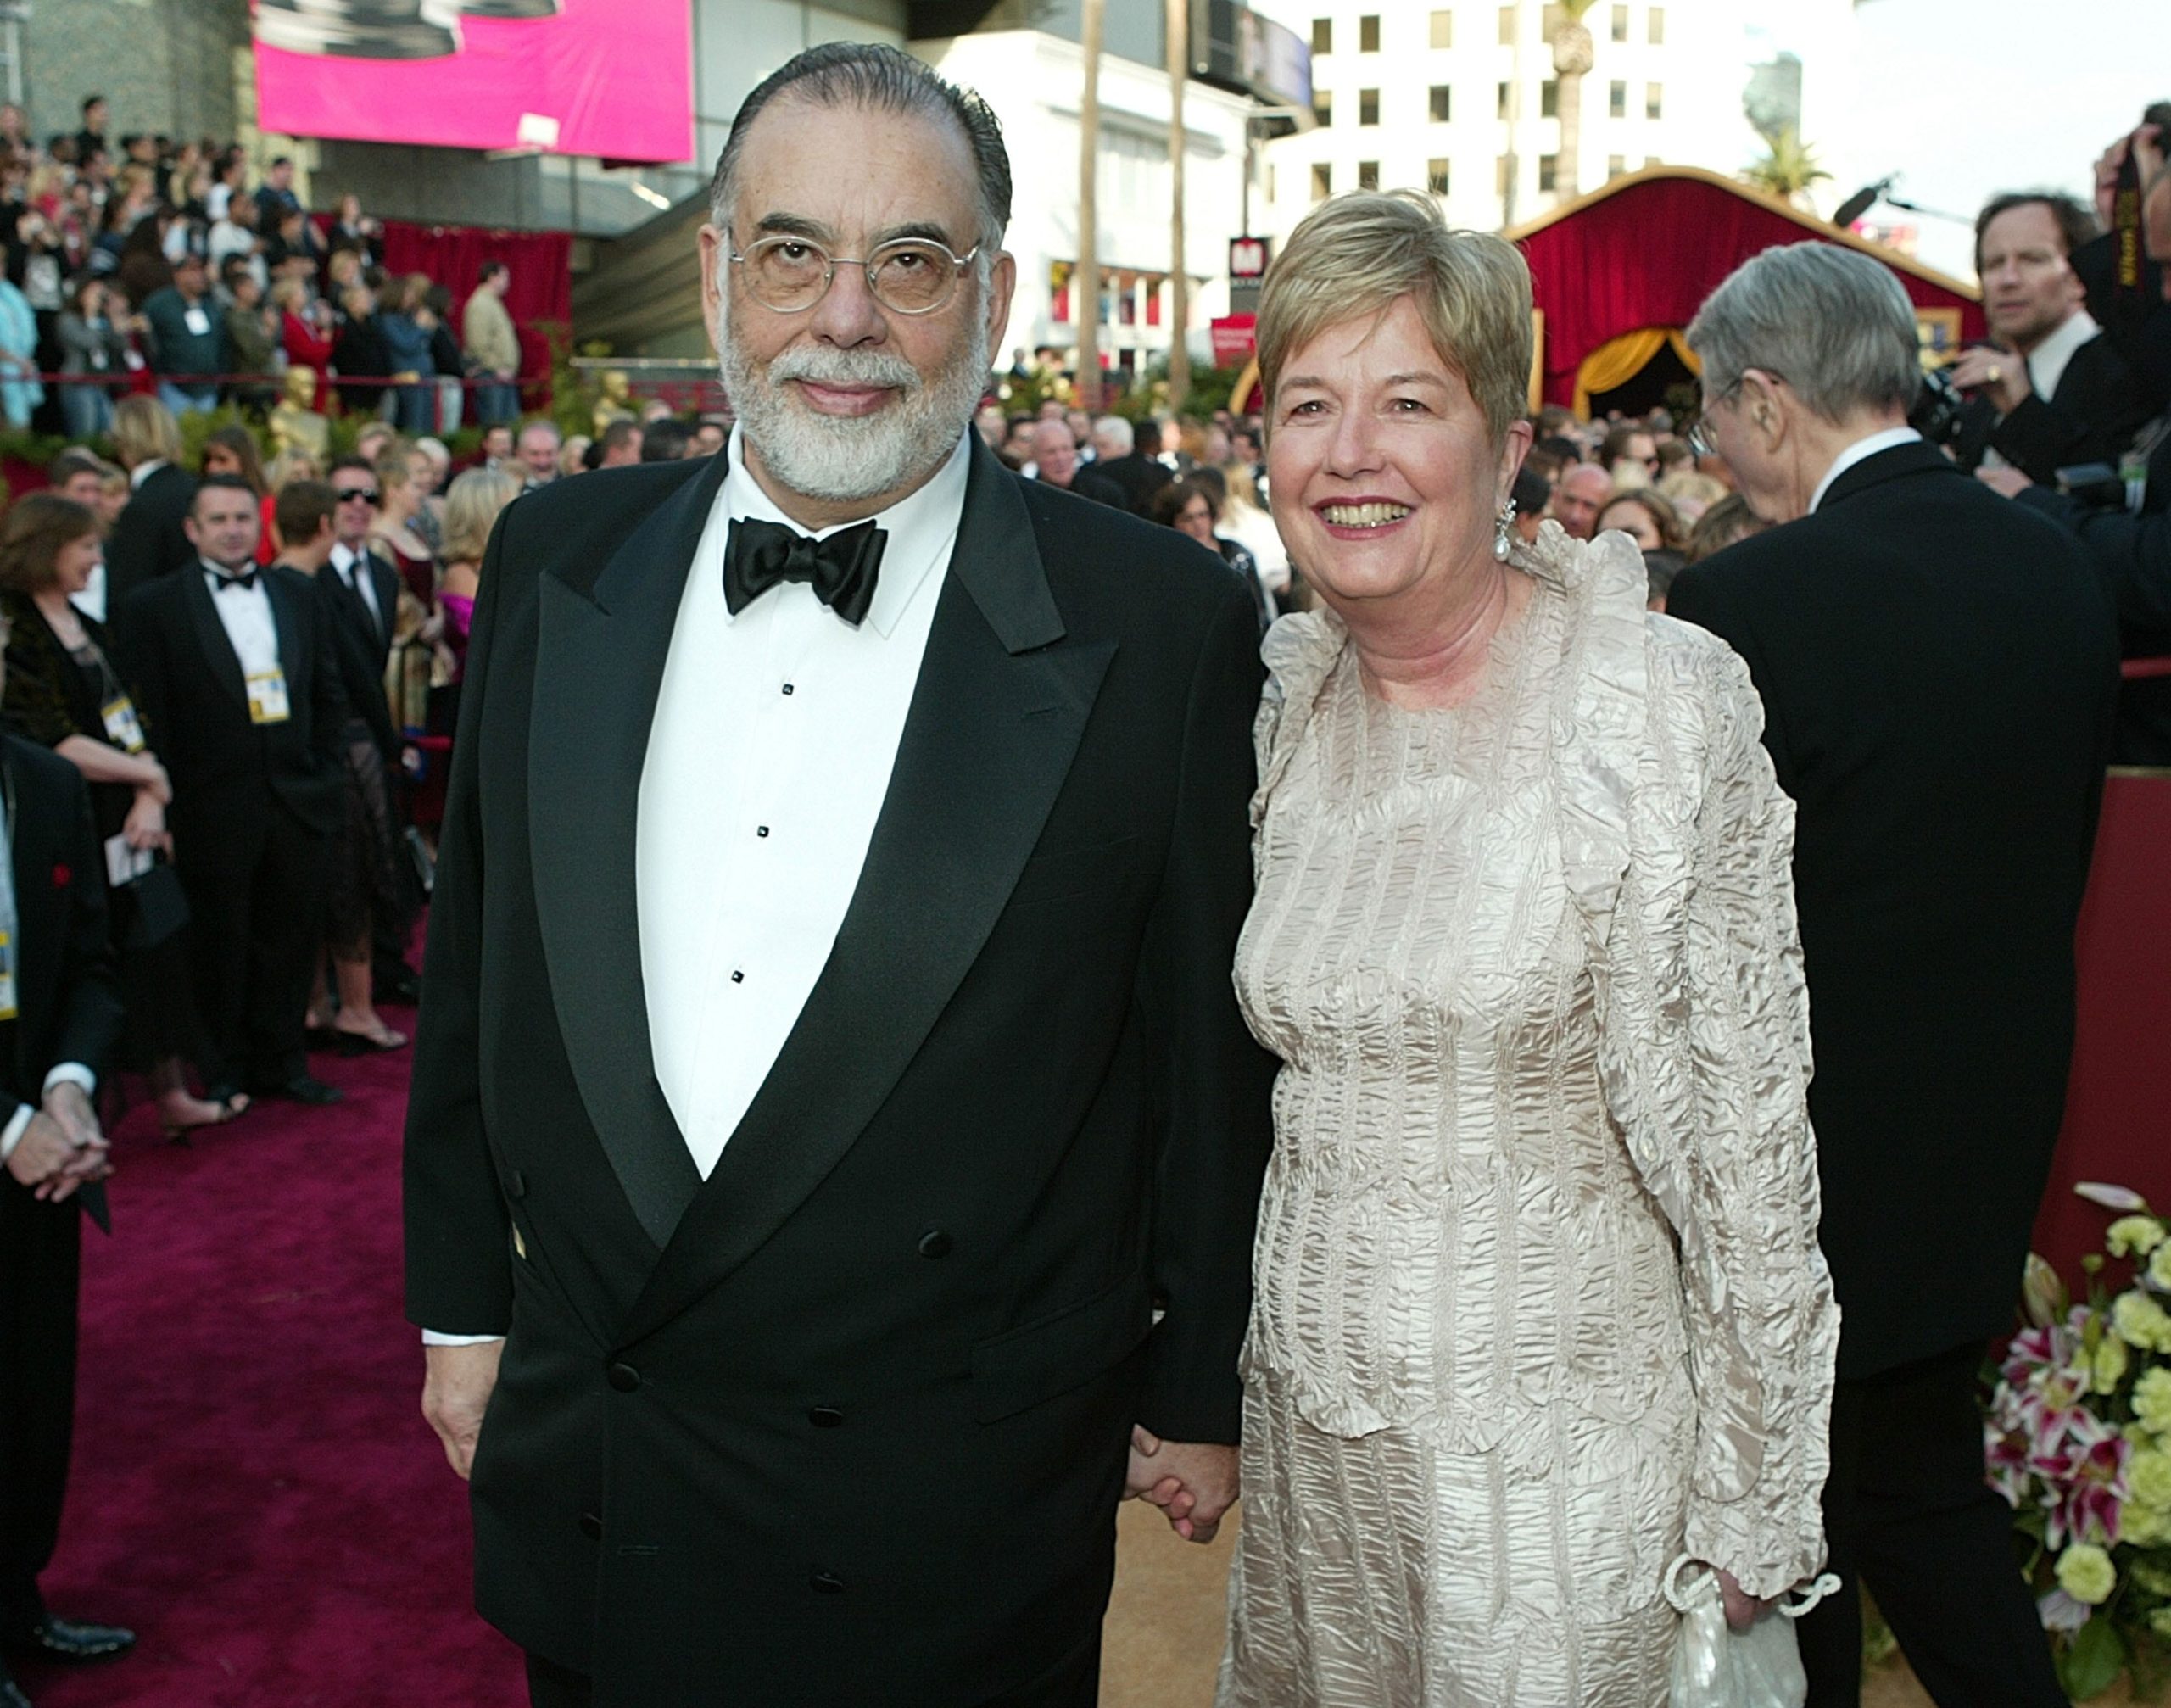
point(2119, 1097)
point(146, 383)
point(690, 387)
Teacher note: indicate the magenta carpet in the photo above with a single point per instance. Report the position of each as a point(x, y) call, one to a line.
point(254, 1490)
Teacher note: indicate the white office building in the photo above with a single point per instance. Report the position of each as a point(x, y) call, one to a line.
point(1461, 99)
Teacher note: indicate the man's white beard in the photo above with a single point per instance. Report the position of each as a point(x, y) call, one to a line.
point(843, 459)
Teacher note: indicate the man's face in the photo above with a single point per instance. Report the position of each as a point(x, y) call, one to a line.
point(282, 176)
point(991, 426)
point(84, 488)
point(2029, 289)
point(850, 399)
point(538, 453)
point(497, 444)
point(708, 438)
point(357, 508)
point(246, 293)
point(1641, 449)
point(223, 524)
point(1583, 490)
point(188, 278)
point(94, 118)
point(1055, 453)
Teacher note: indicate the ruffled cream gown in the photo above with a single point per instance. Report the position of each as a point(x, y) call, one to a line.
point(1540, 1305)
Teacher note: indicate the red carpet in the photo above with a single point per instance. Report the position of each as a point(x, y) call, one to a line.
point(255, 1491)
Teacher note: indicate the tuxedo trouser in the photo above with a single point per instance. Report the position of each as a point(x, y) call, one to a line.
point(254, 932)
point(41, 1247)
point(1074, 1682)
point(1908, 1515)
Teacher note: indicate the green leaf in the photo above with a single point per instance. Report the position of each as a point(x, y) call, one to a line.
point(2091, 1664)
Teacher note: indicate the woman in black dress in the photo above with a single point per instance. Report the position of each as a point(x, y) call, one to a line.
point(64, 691)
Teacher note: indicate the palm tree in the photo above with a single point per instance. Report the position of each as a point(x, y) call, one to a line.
point(1787, 168)
point(1572, 57)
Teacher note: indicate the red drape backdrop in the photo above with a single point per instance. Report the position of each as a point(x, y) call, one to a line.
point(1647, 250)
point(452, 256)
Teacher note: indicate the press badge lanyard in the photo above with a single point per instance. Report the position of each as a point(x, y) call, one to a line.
point(123, 727)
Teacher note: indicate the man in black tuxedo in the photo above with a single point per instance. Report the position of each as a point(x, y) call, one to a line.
point(833, 1132)
point(1938, 672)
point(1121, 457)
point(237, 664)
point(60, 1020)
point(2054, 392)
point(149, 536)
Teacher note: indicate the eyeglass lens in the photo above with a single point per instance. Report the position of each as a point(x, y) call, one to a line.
point(790, 273)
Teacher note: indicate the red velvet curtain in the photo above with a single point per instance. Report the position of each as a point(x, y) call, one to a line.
point(1649, 255)
point(452, 256)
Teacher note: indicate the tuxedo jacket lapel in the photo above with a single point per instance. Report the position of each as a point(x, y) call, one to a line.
point(211, 635)
point(602, 642)
point(996, 719)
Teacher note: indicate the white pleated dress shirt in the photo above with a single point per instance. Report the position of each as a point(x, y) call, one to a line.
point(774, 736)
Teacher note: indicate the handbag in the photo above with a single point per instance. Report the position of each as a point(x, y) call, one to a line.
point(1716, 1667)
point(159, 907)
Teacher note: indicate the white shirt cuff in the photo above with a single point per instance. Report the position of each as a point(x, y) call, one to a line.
point(12, 1134)
point(72, 1073)
point(431, 1337)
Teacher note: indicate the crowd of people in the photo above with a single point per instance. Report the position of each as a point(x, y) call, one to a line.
point(138, 254)
point(1533, 901)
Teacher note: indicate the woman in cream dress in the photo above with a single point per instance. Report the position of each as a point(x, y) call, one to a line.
point(1539, 1305)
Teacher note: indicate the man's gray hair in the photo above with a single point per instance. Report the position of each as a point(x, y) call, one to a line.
point(1835, 324)
point(871, 74)
point(1115, 432)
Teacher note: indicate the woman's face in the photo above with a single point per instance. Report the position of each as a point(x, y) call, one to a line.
point(1385, 480)
point(1631, 519)
point(219, 459)
point(72, 564)
point(1196, 519)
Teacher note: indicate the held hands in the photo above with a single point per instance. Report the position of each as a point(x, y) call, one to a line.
point(62, 1149)
point(1743, 1609)
point(1193, 1482)
point(456, 1389)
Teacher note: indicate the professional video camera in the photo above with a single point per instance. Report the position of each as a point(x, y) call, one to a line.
point(1938, 408)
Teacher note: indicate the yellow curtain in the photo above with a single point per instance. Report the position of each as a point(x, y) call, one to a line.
point(1618, 360)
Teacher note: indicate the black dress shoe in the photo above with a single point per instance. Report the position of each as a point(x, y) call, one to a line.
point(304, 1088)
point(66, 1639)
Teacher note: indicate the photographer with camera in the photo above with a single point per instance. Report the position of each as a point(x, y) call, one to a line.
point(2121, 508)
point(2051, 390)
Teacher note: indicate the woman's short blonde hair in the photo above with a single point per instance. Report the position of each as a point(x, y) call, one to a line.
point(1355, 255)
point(471, 505)
point(145, 431)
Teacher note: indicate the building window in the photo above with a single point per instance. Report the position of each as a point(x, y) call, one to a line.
point(1507, 162)
point(1658, 26)
point(1654, 101)
point(1436, 176)
point(1507, 97)
point(1368, 106)
point(1443, 103)
point(1444, 29)
point(1367, 175)
point(1323, 105)
point(1323, 33)
point(1507, 26)
point(1273, 195)
point(1322, 180)
point(1615, 165)
point(1548, 173)
point(1650, 161)
point(1617, 100)
point(1548, 99)
point(1368, 33)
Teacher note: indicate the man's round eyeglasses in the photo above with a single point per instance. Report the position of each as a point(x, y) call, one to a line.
point(914, 275)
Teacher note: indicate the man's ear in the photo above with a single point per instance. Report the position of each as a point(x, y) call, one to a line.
point(715, 256)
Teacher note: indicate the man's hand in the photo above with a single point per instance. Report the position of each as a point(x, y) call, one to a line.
point(456, 1386)
point(1193, 1482)
point(51, 1163)
point(2009, 482)
point(1998, 375)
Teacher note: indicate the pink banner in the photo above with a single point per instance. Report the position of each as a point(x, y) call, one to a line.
point(611, 78)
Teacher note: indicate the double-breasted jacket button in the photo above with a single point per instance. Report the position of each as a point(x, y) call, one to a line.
point(825, 1417)
point(935, 1243)
point(826, 1583)
point(623, 1377)
point(591, 1526)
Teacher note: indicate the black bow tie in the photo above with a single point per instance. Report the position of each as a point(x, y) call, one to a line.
point(842, 569)
point(245, 580)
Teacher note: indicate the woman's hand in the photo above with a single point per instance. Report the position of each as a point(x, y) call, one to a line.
point(158, 785)
point(1743, 1609)
point(145, 827)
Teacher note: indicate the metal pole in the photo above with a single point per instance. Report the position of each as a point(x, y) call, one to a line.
point(1178, 56)
point(1095, 19)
